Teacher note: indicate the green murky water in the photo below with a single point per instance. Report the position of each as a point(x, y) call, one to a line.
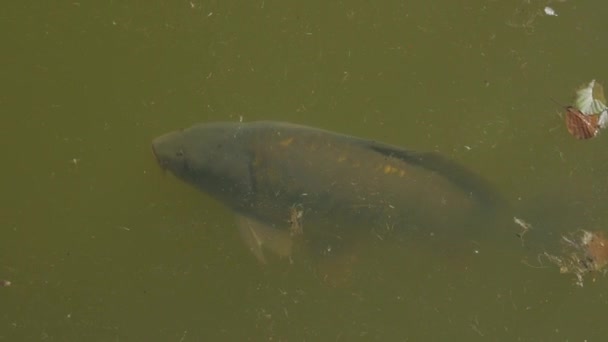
point(99, 245)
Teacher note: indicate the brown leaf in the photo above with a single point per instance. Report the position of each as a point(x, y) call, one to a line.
point(581, 126)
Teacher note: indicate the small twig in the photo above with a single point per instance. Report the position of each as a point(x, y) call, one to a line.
point(525, 228)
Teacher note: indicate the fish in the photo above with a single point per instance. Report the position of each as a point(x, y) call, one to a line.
point(289, 183)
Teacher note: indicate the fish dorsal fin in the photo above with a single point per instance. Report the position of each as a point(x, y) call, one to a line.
point(460, 176)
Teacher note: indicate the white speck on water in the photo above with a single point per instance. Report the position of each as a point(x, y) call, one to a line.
point(550, 12)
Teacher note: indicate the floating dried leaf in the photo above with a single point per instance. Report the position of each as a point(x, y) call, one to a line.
point(581, 126)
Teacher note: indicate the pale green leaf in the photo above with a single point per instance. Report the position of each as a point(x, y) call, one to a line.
point(590, 99)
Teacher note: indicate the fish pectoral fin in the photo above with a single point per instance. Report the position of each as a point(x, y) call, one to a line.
point(257, 235)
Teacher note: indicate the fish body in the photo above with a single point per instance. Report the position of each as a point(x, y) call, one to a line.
point(281, 177)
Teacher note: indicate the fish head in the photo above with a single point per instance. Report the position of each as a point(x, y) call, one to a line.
point(213, 157)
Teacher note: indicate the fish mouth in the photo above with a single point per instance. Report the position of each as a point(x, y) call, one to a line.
point(167, 148)
point(159, 161)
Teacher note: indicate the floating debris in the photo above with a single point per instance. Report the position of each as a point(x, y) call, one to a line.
point(596, 250)
point(5, 283)
point(550, 11)
point(590, 98)
point(589, 115)
point(295, 220)
point(585, 252)
point(581, 126)
point(525, 227)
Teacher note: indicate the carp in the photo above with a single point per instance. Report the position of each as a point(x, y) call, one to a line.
point(287, 182)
